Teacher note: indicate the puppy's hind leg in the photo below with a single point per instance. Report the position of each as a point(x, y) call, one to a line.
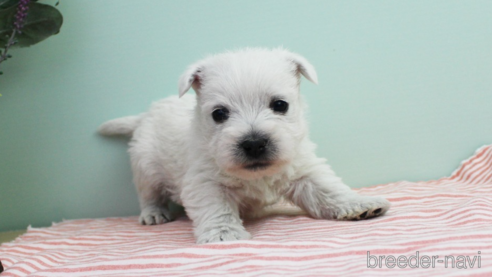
point(154, 207)
point(152, 196)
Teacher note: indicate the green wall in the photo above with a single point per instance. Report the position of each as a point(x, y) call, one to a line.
point(405, 91)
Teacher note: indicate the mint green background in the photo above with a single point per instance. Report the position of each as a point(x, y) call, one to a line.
point(405, 91)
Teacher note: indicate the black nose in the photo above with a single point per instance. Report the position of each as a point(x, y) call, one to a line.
point(254, 148)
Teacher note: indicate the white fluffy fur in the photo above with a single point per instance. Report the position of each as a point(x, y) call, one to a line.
point(179, 153)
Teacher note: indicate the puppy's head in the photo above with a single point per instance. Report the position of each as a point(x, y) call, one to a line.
point(249, 112)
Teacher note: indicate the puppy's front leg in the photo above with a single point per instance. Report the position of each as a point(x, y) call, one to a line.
point(215, 216)
point(323, 195)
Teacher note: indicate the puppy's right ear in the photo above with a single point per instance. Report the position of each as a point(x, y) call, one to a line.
point(191, 78)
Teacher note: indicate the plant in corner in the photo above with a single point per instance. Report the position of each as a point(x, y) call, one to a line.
point(26, 22)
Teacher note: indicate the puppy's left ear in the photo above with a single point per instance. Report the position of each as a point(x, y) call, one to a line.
point(303, 67)
point(191, 78)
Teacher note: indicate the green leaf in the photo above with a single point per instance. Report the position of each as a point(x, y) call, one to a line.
point(42, 21)
point(6, 24)
point(5, 4)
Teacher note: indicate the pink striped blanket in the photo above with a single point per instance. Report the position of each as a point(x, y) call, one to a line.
point(434, 228)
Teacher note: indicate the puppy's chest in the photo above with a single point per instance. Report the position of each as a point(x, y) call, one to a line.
point(263, 192)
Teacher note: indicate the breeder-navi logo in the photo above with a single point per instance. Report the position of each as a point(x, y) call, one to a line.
point(415, 261)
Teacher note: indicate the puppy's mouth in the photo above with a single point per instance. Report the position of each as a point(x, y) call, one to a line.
point(257, 166)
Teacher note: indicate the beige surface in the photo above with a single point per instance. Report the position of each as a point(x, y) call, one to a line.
point(10, 236)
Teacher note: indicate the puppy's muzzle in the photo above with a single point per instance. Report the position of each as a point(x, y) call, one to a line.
point(255, 148)
point(256, 152)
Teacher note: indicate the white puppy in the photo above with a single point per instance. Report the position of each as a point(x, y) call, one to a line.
point(237, 147)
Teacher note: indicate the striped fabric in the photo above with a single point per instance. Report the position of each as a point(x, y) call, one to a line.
point(449, 217)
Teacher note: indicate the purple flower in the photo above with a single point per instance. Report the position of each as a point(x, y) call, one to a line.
point(21, 14)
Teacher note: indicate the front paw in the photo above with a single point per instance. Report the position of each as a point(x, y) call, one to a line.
point(223, 233)
point(362, 207)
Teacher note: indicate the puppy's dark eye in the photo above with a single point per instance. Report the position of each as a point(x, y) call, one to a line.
point(220, 115)
point(279, 106)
